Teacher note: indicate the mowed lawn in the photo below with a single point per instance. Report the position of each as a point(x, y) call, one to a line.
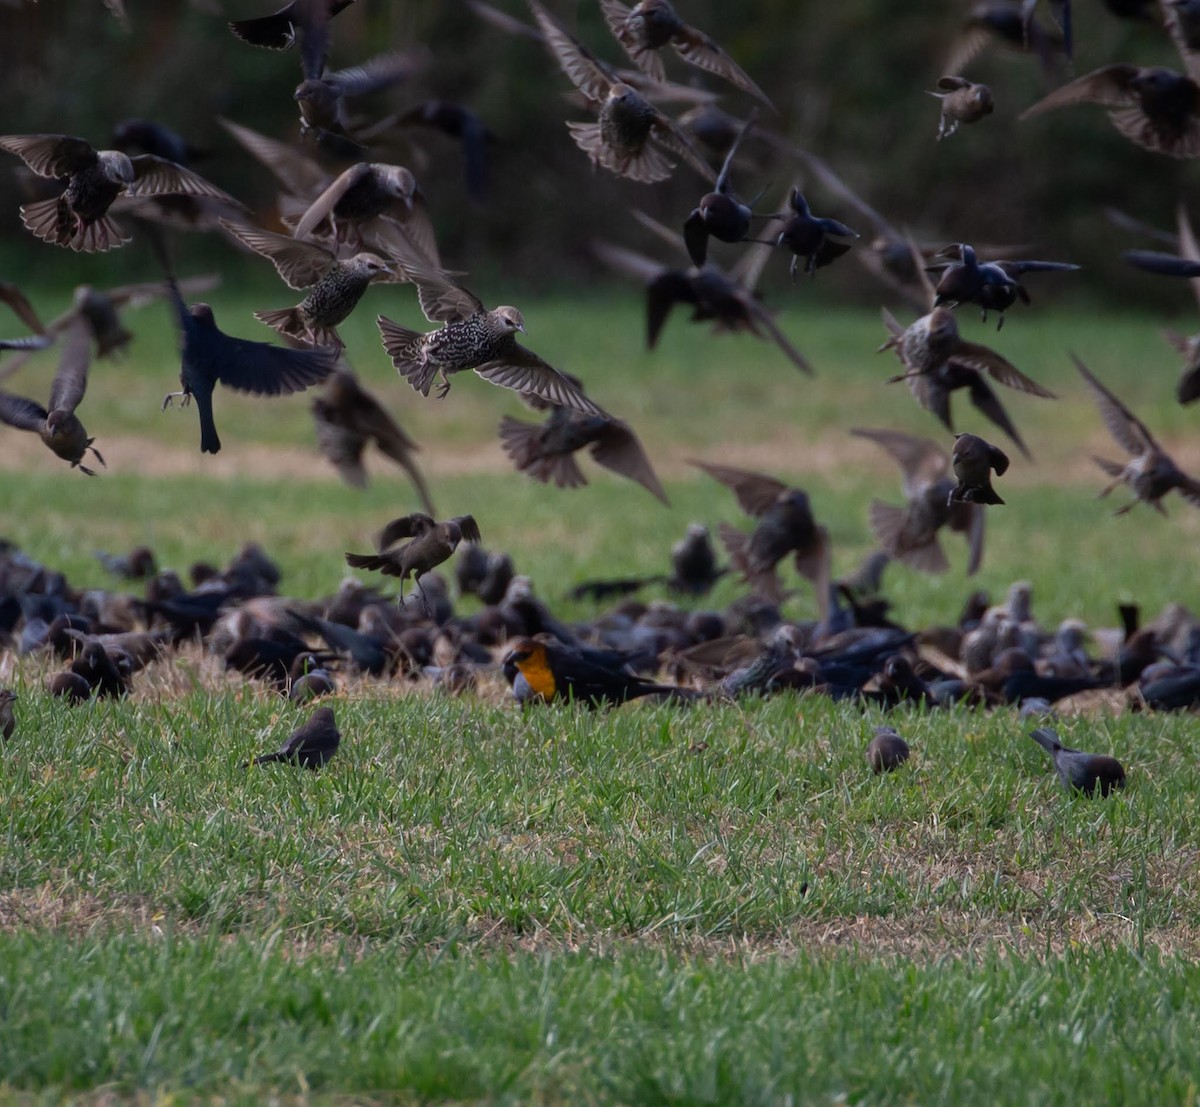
point(651, 905)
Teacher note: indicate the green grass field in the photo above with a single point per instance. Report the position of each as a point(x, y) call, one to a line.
point(652, 905)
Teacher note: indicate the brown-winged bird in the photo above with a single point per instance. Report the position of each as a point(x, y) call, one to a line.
point(962, 101)
point(59, 427)
point(210, 356)
point(348, 418)
point(95, 178)
point(546, 452)
point(472, 338)
point(649, 25)
point(1079, 771)
point(309, 746)
point(431, 544)
point(993, 285)
point(1155, 108)
point(11, 295)
point(1006, 23)
point(335, 286)
point(630, 129)
point(910, 533)
point(974, 461)
point(1151, 473)
point(785, 526)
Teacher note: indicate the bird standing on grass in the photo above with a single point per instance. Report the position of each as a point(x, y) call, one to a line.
point(8, 722)
point(887, 751)
point(310, 746)
point(1080, 771)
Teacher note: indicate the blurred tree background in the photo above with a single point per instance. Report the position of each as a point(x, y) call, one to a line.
point(849, 80)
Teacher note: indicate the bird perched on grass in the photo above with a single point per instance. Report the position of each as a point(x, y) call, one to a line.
point(887, 751)
point(630, 129)
point(59, 427)
point(8, 722)
point(335, 286)
point(962, 101)
point(348, 418)
point(910, 533)
point(1151, 473)
point(785, 526)
point(472, 338)
point(819, 241)
point(1078, 771)
point(309, 746)
point(649, 25)
point(720, 213)
point(974, 461)
point(546, 452)
point(78, 217)
point(556, 673)
point(431, 544)
point(993, 285)
point(209, 355)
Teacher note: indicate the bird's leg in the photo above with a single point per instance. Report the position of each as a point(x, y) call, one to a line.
point(185, 398)
point(444, 387)
point(424, 598)
point(792, 267)
point(83, 469)
point(99, 456)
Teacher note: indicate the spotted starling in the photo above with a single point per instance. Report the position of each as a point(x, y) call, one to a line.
point(993, 285)
point(209, 355)
point(938, 362)
point(1078, 771)
point(974, 460)
point(431, 544)
point(59, 427)
point(1151, 474)
point(629, 125)
point(472, 338)
point(819, 241)
point(962, 101)
point(1155, 108)
point(720, 213)
point(78, 217)
point(650, 25)
point(335, 287)
point(547, 452)
point(910, 533)
point(348, 418)
point(309, 746)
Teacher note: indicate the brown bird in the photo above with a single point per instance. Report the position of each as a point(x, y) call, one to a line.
point(1157, 109)
point(962, 101)
point(363, 198)
point(785, 525)
point(348, 418)
point(7, 721)
point(432, 543)
point(1006, 23)
point(649, 25)
point(974, 459)
point(59, 427)
point(11, 295)
point(335, 286)
point(623, 141)
point(546, 452)
point(910, 533)
point(887, 751)
point(1151, 474)
point(309, 746)
point(938, 362)
point(472, 338)
point(78, 217)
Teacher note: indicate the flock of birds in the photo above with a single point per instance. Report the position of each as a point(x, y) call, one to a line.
point(350, 220)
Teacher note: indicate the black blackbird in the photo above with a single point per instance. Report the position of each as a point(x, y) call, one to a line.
point(1081, 771)
point(887, 750)
point(7, 722)
point(311, 745)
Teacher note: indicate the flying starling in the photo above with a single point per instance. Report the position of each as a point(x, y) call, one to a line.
point(461, 123)
point(993, 285)
point(1155, 108)
point(962, 101)
point(335, 287)
point(78, 217)
point(472, 338)
point(938, 362)
point(348, 418)
point(720, 213)
point(910, 533)
point(648, 26)
point(819, 241)
point(1006, 23)
point(309, 746)
point(278, 30)
point(431, 544)
point(1151, 474)
point(59, 427)
point(785, 526)
point(623, 141)
point(11, 295)
point(209, 355)
point(547, 452)
point(974, 460)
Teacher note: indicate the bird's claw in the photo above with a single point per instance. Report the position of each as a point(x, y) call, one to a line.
point(185, 398)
